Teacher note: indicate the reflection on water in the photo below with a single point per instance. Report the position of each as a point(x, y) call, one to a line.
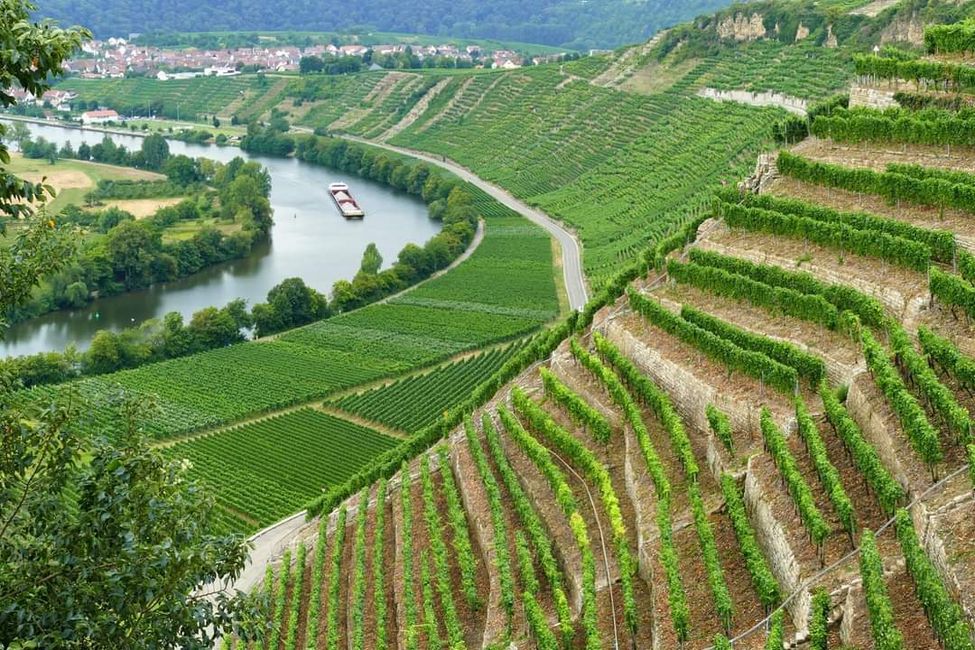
point(309, 240)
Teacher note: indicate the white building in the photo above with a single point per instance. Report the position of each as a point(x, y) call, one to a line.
point(99, 117)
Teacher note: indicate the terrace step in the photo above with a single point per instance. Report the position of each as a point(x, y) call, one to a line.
point(904, 293)
point(477, 506)
point(541, 495)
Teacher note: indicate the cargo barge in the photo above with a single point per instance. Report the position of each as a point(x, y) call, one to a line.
point(348, 206)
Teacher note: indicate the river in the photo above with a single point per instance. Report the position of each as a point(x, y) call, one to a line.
point(309, 240)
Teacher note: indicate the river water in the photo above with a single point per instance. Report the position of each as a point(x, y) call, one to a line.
point(308, 240)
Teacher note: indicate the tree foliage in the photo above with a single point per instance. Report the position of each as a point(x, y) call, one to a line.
point(105, 543)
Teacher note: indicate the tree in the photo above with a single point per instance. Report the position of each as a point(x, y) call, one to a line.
point(155, 151)
point(371, 260)
point(289, 304)
point(33, 55)
point(105, 544)
point(103, 355)
point(132, 246)
point(181, 170)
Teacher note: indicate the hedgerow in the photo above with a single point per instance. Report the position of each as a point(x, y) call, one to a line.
point(865, 458)
point(754, 364)
point(886, 636)
point(829, 476)
point(947, 618)
point(923, 437)
point(578, 409)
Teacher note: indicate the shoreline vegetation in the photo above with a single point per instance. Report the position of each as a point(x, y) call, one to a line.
point(291, 303)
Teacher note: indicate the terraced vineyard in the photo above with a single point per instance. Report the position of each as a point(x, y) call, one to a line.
point(510, 127)
point(764, 439)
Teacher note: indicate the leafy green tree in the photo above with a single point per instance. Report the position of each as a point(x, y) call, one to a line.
point(132, 247)
point(105, 544)
point(181, 170)
point(33, 55)
point(155, 151)
point(372, 260)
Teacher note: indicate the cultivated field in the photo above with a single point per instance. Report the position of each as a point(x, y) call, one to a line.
point(766, 438)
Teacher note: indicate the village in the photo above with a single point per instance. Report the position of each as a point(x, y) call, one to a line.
point(118, 57)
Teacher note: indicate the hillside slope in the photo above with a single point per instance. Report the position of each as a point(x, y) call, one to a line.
point(765, 435)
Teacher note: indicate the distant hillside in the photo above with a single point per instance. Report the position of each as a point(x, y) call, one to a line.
point(571, 23)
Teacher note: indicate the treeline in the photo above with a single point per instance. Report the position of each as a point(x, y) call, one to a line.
point(449, 200)
point(406, 60)
point(289, 304)
point(131, 254)
point(153, 154)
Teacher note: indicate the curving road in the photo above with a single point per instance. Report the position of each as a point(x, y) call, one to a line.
point(575, 280)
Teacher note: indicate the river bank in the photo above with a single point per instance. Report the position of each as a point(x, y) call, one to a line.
point(308, 240)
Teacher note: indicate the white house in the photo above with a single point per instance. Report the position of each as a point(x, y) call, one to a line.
point(99, 117)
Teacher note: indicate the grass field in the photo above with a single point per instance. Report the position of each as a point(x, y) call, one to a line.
point(72, 179)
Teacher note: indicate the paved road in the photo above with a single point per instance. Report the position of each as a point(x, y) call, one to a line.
point(267, 544)
point(575, 280)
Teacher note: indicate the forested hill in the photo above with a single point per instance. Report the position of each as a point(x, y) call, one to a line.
point(578, 24)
